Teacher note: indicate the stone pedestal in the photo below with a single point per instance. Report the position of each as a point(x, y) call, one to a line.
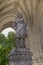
point(20, 56)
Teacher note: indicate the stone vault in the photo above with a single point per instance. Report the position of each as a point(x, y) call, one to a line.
point(32, 11)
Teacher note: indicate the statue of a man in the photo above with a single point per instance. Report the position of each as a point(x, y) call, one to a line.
point(21, 29)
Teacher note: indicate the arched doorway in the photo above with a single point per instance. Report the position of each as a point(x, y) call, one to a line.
point(7, 30)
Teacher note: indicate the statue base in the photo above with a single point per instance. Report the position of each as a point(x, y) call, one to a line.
point(20, 56)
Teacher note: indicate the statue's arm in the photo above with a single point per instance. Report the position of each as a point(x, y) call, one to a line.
point(26, 30)
point(15, 25)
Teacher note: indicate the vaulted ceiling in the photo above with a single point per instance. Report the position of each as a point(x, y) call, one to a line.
point(31, 9)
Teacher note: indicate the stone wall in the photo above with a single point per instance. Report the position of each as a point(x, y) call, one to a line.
point(32, 11)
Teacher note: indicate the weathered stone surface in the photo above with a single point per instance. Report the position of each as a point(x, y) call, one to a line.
point(8, 9)
point(21, 29)
point(21, 63)
point(20, 56)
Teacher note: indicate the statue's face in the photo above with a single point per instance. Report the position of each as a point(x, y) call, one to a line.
point(21, 21)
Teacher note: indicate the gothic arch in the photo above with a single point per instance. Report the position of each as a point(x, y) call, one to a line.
point(10, 16)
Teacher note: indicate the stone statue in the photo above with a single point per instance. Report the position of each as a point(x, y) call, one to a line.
point(20, 55)
point(21, 29)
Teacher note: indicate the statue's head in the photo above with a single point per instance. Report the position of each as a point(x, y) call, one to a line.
point(20, 18)
point(20, 15)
